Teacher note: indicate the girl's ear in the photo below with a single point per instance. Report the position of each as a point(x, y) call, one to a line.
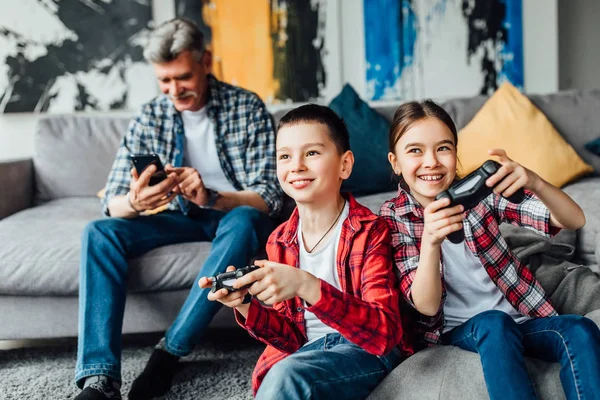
point(347, 164)
point(394, 163)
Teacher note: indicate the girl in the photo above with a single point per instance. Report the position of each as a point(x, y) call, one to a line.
point(476, 294)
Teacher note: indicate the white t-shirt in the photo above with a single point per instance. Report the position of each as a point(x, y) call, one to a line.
point(322, 264)
point(201, 150)
point(469, 288)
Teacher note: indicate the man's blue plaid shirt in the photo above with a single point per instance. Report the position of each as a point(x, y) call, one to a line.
point(245, 141)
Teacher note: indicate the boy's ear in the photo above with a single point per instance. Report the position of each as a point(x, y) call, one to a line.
point(394, 163)
point(347, 164)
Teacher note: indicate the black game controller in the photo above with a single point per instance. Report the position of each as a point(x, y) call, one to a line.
point(225, 280)
point(472, 189)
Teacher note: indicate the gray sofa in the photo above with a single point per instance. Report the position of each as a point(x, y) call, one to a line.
point(46, 201)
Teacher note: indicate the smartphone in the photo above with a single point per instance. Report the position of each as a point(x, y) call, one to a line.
point(142, 161)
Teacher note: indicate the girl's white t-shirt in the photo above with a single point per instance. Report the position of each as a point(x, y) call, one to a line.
point(469, 288)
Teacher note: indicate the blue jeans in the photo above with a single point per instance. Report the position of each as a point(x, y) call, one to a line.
point(109, 243)
point(329, 367)
point(502, 344)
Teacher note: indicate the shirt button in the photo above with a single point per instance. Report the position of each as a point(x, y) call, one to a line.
point(299, 309)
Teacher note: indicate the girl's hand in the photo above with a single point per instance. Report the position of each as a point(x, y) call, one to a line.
point(512, 175)
point(441, 221)
point(230, 299)
point(274, 282)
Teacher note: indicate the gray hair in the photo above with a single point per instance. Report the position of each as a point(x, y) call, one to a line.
point(173, 37)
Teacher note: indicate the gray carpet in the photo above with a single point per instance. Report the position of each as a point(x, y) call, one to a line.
point(220, 368)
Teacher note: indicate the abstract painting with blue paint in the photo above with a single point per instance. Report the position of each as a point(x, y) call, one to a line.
point(441, 48)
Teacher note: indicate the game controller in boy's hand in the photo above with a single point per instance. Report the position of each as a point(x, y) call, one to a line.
point(472, 189)
point(225, 280)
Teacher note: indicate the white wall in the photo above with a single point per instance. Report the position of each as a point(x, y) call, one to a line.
point(540, 45)
point(540, 35)
point(578, 46)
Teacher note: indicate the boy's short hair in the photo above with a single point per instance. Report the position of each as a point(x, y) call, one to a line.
point(338, 132)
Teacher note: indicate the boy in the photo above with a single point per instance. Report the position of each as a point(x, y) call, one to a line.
point(335, 322)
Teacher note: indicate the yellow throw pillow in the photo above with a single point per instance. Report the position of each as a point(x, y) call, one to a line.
point(148, 212)
point(510, 121)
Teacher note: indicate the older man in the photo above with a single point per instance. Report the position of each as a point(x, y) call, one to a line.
point(218, 143)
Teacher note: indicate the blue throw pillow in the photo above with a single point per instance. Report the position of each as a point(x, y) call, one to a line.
point(369, 132)
point(594, 146)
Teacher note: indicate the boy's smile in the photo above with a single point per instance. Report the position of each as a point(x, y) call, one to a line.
point(425, 155)
point(301, 183)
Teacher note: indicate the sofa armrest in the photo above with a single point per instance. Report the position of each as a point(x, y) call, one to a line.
point(16, 186)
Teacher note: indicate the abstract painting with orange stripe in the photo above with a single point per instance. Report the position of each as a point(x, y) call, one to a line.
point(274, 48)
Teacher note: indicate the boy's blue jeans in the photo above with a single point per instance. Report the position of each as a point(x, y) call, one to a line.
point(502, 344)
point(108, 244)
point(330, 367)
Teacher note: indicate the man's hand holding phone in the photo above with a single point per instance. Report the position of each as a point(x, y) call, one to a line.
point(144, 197)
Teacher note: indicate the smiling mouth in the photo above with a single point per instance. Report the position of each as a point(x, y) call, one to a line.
point(184, 95)
point(301, 182)
point(431, 178)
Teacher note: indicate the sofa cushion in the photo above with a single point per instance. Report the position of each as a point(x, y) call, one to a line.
point(510, 121)
point(575, 114)
point(40, 253)
point(593, 146)
point(462, 110)
point(73, 154)
point(369, 132)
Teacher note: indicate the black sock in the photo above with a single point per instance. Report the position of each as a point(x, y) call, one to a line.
point(100, 387)
point(156, 378)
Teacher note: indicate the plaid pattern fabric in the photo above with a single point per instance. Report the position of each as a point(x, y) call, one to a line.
point(405, 218)
point(365, 311)
point(245, 139)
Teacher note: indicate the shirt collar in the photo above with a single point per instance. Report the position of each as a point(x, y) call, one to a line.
point(356, 216)
point(405, 202)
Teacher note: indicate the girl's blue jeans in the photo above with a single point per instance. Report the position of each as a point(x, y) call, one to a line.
point(502, 344)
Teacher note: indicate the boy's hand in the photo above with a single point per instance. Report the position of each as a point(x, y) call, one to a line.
point(230, 299)
point(274, 283)
point(440, 221)
point(512, 175)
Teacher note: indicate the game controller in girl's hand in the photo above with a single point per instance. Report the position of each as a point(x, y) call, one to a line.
point(472, 189)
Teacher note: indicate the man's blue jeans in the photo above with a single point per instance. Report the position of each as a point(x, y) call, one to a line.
point(108, 244)
point(327, 368)
point(502, 344)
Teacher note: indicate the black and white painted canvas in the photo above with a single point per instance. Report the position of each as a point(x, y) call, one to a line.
point(74, 55)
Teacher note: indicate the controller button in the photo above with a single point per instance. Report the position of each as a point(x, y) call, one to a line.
point(490, 167)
